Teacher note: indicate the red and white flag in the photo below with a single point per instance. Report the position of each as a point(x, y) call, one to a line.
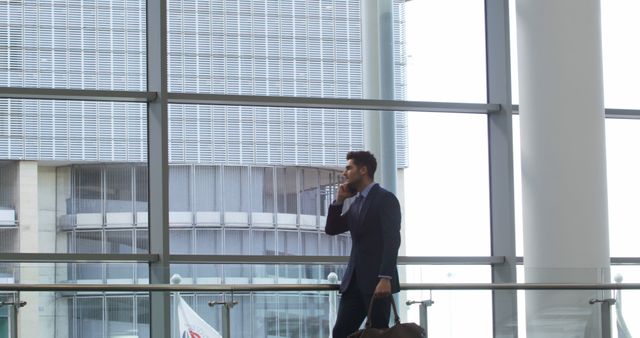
point(191, 325)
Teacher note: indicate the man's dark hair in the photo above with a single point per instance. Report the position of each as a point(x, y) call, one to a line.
point(364, 158)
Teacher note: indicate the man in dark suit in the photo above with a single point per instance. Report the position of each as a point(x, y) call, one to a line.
point(372, 215)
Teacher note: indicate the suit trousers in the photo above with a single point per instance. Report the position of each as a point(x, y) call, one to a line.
point(353, 309)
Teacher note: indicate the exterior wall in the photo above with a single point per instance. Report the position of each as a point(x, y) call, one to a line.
point(247, 49)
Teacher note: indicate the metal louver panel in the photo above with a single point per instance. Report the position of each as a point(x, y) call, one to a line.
point(233, 47)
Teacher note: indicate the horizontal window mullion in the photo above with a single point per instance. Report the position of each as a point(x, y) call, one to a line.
point(75, 94)
point(331, 103)
point(75, 257)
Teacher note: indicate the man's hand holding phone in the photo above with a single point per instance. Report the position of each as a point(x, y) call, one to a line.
point(345, 191)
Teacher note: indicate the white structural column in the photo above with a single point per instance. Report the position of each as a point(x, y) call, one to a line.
point(378, 83)
point(563, 159)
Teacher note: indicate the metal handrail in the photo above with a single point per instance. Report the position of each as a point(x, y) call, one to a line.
point(236, 259)
point(26, 257)
point(311, 287)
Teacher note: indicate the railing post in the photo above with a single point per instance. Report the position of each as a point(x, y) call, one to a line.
point(226, 321)
point(226, 315)
point(424, 320)
point(13, 314)
point(605, 315)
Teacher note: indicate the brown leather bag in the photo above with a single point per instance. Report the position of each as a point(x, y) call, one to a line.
point(399, 330)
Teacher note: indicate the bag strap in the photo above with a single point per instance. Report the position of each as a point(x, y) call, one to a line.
point(393, 306)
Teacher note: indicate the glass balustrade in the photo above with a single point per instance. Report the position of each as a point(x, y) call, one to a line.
point(61, 300)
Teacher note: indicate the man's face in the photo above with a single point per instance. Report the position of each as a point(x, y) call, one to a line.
point(354, 174)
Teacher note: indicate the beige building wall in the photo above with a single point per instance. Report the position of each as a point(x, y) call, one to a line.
point(27, 211)
point(47, 243)
point(36, 210)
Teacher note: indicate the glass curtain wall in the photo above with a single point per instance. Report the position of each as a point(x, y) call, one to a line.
point(248, 180)
point(73, 172)
point(243, 180)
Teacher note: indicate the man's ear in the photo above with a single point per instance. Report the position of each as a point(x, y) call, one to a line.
point(363, 170)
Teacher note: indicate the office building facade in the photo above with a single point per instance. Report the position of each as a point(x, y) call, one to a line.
point(242, 180)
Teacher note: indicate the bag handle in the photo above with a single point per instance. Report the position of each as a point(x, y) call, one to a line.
point(393, 306)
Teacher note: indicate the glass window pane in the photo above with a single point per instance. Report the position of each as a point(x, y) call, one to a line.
point(459, 313)
point(344, 245)
point(623, 183)
point(8, 179)
point(315, 316)
point(328, 186)
point(207, 188)
point(9, 240)
point(241, 320)
point(309, 192)
point(287, 190)
point(142, 190)
point(144, 317)
point(290, 319)
point(89, 242)
point(445, 59)
point(237, 242)
point(179, 188)
point(309, 243)
point(289, 48)
point(264, 243)
point(620, 58)
point(119, 189)
point(448, 173)
point(181, 244)
point(236, 189)
point(88, 190)
point(310, 246)
point(517, 186)
point(142, 246)
point(74, 44)
point(211, 314)
point(119, 319)
point(120, 242)
point(262, 187)
point(265, 315)
point(288, 245)
point(208, 242)
point(142, 241)
point(181, 241)
point(269, 136)
point(88, 317)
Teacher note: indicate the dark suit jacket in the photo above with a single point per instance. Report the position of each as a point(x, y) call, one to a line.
point(375, 238)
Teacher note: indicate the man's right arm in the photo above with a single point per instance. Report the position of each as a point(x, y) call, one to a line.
point(336, 223)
